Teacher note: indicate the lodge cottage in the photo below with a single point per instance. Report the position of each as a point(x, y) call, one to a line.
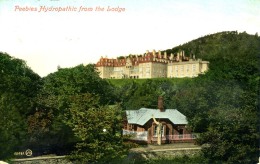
point(143, 125)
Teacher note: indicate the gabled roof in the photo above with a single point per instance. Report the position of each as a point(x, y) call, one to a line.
point(143, 115)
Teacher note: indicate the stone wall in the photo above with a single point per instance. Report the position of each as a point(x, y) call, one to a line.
point(43, 160)
point(133, 155)
point(164, 153)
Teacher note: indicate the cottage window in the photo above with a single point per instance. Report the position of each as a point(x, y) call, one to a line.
point(155, 130)
point(181, 133)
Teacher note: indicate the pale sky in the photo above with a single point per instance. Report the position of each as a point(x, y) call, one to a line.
point(68, 38)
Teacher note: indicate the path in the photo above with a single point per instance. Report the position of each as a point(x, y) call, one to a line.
point(165, 147)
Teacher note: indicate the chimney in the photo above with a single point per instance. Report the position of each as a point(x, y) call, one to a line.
point(160, 104)
point(153, 52)
point(165, 56)
point(171, 57)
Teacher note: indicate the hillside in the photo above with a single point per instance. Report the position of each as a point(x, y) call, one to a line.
point(214, 44)
point(227, 53)
point(122, 82)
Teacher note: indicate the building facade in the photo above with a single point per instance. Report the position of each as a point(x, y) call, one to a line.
point(151, 65)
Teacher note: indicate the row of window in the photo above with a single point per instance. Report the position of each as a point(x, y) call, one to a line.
point(163, 131)
point(134, 128)
point(181, 75)
point(176, 68)
point(188, 67)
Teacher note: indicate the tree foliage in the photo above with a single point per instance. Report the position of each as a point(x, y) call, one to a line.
point(134, 95)
point(18, 87)
point(59, 92)
point(221, 105)
point(98, 128)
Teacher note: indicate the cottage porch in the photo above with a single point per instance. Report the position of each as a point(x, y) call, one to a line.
point(143, 136)
point(175, 138)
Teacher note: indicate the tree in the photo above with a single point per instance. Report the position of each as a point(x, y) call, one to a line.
point(57, 95)
point(223, 104)
point(18, 87)
point(99, 129)
point(146, 94)
point(231, 137)
point(192, 101)
point(79, 79)
point(13, 125)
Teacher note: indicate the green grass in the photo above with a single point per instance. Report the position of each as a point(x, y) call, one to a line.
point(122, 82)
point(195, 159)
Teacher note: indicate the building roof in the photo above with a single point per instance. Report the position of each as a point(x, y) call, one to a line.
point(155, 57)
point(143, 115)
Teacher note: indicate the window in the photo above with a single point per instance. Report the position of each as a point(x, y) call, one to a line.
point(170, 69)
point(155, 130)
point(193, 67)
point(181, 133)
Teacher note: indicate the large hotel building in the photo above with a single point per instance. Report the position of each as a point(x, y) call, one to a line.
point(152, 65)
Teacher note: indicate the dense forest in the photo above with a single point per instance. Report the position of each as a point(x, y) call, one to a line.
point(74, 112)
